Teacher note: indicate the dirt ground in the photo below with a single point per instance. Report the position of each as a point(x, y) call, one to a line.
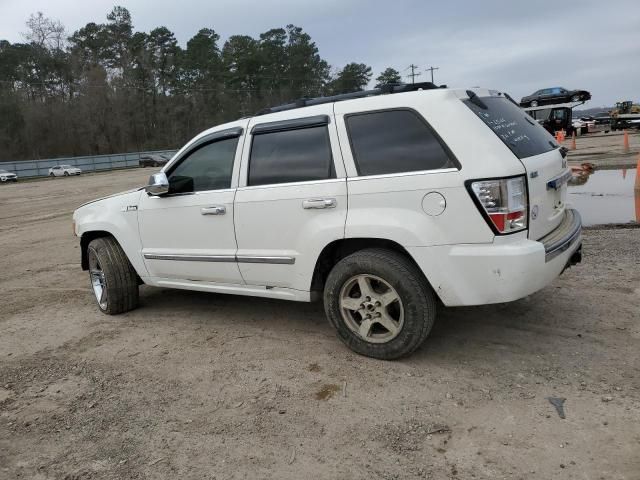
point(203, 386)
point(605, 150)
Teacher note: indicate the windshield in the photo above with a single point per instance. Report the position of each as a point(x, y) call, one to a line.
point(65, 166)
point(517, 130)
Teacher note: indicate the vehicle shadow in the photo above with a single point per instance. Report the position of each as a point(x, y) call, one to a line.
point(479, 333)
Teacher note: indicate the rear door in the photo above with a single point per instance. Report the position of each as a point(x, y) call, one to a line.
point(547, 172)
point(292, 199)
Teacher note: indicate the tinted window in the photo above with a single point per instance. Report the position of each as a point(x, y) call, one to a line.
point(540, 114)
point(394, 141)
point(291, 156)
point(513, 126)
point(559, 114)
point(207, 167)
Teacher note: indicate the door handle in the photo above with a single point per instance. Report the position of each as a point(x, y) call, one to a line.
point(214, 210)
point(314, 203)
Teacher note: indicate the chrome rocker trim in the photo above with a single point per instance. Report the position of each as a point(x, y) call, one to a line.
point(221, 258)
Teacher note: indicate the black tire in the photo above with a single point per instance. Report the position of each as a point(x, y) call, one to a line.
point(416, 296)
point(66, 174)
point(534, 103)
point(120, 278)
point(575, 98)
point(51, 174)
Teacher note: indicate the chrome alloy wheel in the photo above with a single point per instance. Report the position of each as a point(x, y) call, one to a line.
point(98, 281)
point(371, 308)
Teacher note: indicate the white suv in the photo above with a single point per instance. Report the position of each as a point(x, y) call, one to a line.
point(383, 202)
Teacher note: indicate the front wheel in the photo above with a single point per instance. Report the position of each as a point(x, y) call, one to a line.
point(66, 174)
point(51, 174)
point(534, 103)
point(113, 279)
point(379, 303)
point(575, 98)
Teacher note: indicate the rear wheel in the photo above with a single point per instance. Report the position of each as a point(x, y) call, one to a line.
point(113, 279)
point(534, 103)
point(66, 174)
point(379, 303)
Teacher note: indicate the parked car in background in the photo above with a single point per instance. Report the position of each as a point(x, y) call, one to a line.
point(550, 96)
point(64, 171)
point(153, 160)
point(372, 201)
point(6, 176)
point(579, 126)
point(601, 123)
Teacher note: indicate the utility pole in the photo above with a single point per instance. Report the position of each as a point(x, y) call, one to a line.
point(431, 69)
point(413, 73)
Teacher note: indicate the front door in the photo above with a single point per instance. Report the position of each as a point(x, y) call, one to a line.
point(188, 234)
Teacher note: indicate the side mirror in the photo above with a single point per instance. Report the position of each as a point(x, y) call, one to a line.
point(158, 185)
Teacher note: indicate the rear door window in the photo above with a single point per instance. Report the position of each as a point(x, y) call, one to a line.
point(395, 141)
point(517, 130)
point(291, 156)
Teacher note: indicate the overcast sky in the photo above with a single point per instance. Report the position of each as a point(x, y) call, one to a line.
point(510, 45)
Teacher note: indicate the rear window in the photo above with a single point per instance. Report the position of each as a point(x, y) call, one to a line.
point(517, 130)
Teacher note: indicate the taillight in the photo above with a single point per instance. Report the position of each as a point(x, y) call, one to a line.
point(504, 201)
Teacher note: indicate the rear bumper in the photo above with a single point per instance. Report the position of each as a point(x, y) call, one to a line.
point(503, 271)
point(563, 237)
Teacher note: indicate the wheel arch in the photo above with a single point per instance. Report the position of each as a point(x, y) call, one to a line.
point(86, 239)
point(335, 251)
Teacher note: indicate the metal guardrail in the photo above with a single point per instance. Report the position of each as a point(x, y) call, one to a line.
point(91, 163)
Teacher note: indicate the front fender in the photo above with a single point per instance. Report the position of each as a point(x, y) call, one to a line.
point(117, 216)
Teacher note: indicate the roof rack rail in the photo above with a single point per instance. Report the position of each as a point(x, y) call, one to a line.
point(380, 90)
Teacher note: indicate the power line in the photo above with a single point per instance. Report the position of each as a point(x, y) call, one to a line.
point(413, 73)
point(431, 69)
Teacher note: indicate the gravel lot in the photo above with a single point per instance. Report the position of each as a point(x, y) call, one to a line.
point(605, 150)
point(195, 385)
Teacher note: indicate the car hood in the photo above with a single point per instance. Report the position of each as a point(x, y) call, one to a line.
point(7, 174)
point(112, 196)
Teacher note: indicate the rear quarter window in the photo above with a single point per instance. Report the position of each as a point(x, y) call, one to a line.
point(395, 141)
point(517, 130)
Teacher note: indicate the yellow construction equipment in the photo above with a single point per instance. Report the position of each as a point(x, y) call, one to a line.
point(626, 114)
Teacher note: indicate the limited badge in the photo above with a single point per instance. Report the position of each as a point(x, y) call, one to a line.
point(534, 212)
